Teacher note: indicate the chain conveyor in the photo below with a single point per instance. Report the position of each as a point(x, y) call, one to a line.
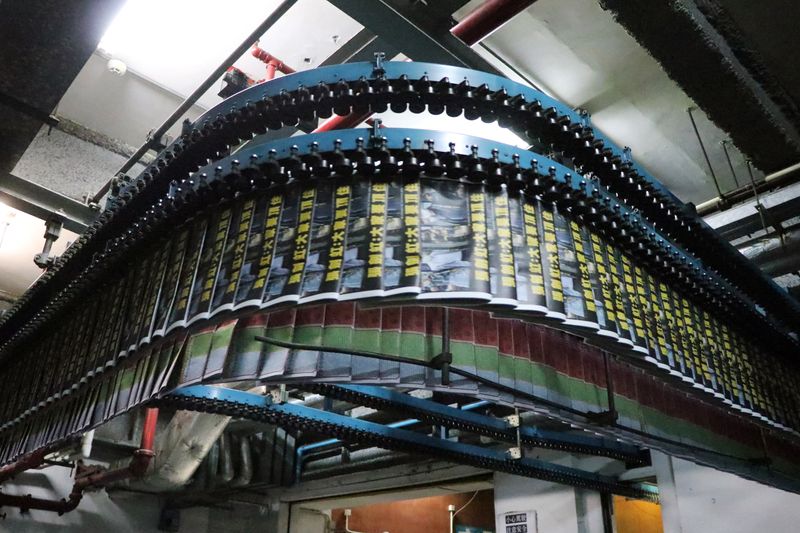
point(220, 231)
point(251, 406)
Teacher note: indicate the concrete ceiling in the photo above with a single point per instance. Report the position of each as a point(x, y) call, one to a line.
point(45, 44)
point(21, 238)
point(575, 51)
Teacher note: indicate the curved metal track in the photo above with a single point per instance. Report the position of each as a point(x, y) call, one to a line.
point(282, 169)
point(150, 266)
point(414, 86)
point(253, 407)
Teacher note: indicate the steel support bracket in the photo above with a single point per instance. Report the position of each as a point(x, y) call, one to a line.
point(44, 203)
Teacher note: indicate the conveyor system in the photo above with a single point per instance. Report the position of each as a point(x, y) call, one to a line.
point(261, 408)
point(355, 241)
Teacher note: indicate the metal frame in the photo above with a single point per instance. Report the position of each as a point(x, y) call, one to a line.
point(397, 25)
point(249, 405)
point(500, 429)
point(44, 203)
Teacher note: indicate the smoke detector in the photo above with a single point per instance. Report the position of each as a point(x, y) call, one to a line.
point(115, 66)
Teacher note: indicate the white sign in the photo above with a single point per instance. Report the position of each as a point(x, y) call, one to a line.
point(517, 522)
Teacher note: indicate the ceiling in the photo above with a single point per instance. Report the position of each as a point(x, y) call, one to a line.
point(21, 238)
point(602, 69)
point(192, 38)
point(45, 44)
point(575, 51)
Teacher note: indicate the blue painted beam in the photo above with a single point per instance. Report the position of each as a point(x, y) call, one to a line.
point(243, 404)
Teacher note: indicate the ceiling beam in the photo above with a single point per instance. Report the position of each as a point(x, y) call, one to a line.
point(45, 45)
point(419, 30)
point(703, 63)
point(44, 203)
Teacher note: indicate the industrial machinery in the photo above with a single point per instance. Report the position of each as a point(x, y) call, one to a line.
point(562, 279)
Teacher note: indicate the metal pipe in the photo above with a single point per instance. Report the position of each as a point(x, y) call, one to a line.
point(787, 175)
point(367, 459)
point(32, 460)
point(86, 477)
point(266, 57)
point(200, 91)
point(776, 256)
point(703, 148)
point(487, 18)
point(782, 173)
point(149, 429)
point(272, 67)
point(730, 165)
point(338, 122)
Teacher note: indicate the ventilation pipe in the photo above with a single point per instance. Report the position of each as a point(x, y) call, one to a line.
point(777, 255)
point(781, 178)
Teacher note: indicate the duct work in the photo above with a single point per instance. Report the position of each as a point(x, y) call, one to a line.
point(777, 255)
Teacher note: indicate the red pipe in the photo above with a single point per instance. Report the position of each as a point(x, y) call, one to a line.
point(86, 477)
point(272, 67)
point(32, 460)
point(338, 122)
point(487, 18)
point(266, 57)
point(149, 428)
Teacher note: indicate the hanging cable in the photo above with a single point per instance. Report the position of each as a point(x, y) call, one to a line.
point(499, 387)
point(466, 504)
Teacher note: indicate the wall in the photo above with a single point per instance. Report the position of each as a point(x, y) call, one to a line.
point(559, 508)
point(420, 515)
point(697, 499)
point(118, 511)
point(637, 516)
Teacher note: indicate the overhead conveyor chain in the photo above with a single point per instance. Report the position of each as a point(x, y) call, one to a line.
point(348, 153)
point(496, 428)
point(663, 276)
point(220, 241)
point(251, 406)
point(414, 87)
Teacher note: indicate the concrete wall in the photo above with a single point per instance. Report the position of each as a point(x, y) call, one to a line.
point(559, 508)
point(422, 514)
point(120, 511)
point(697, 499)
